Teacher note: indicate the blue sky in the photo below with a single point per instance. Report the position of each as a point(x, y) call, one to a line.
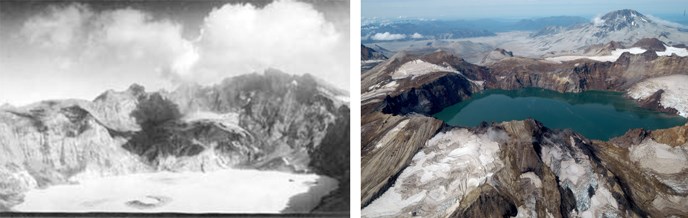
point(463, 9)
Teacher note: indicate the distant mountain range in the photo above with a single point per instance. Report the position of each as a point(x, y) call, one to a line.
point(625, 26)
point(453, 29)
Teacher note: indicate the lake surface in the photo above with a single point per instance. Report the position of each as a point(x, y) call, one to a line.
point(595, 114)
point(223, 191)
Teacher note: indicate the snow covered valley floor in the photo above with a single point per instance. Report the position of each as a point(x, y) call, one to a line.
point(223, 191)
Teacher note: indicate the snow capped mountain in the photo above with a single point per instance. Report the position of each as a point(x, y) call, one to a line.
point(618, 20)
point(624, 26)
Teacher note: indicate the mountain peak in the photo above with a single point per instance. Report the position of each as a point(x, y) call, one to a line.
point(620, 19)
point(136, 88)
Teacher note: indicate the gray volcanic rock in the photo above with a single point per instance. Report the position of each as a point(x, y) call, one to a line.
point(651, 44)
point(602, 49)
point(654, 102)
point(414, 165)
point(522, 168)
point(496, 55)
point(270, 121)
point(49, 142)
point(583, 74)
point(371, 54)
point(624, 26)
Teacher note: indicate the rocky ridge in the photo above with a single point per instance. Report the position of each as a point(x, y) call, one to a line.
point(269, 121)
point(625, 26)
point(517, 168)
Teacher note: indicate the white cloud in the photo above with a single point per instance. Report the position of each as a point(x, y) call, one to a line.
point(57, 26)
point(286, 35)
point(598, 21)
point(387, 36)
point(87, 52)
point(124, 34)
point(416, 36)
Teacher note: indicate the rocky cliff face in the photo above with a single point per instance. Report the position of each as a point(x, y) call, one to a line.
point(370, 54)
point(580, 75)
point(414, 165)
point(270, 121)
point(523, 169)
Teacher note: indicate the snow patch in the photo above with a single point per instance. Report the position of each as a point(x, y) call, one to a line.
point(682, 52)
point(613, 57)
point(675, 91)
point(534, 179)
point(232, 118)
point(450, 165)
point(659, 158)
point(380, 89)
point(418, 68)
point(602, 204)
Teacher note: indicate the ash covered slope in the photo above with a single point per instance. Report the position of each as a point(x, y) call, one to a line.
point(270, 121)
point(626, 26)
point(371, 54)
point(414, 165)
point(370, 58)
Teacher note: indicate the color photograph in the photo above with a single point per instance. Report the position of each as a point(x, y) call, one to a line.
point(536, 108)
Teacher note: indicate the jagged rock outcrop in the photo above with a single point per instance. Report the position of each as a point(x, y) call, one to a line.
point(388, 144)
point(414, 165)
point(602, 49)
point(652, 169)
point(583, 74)
point(650, 44)
point(523, 169)
point(50, 142)
point(666, 93)
point(653, 102)
point(269, 121)
point(497, 55)
point(332, 159)
point(371, 54)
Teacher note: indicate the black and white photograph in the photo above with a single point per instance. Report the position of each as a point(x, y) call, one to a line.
point(180, 106)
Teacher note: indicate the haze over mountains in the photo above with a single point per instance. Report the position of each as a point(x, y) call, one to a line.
point(561, 38)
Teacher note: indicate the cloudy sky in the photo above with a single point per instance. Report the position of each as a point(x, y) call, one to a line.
point(513, 8)
point(57, 50)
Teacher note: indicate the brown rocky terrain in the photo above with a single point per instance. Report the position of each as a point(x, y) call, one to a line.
point(413, 165)
point(497, 55)
point(652, 44)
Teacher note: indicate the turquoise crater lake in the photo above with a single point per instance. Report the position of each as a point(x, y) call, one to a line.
point(595, 114)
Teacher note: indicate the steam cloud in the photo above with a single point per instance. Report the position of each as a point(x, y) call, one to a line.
point(234, 39)
point(386, 36)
